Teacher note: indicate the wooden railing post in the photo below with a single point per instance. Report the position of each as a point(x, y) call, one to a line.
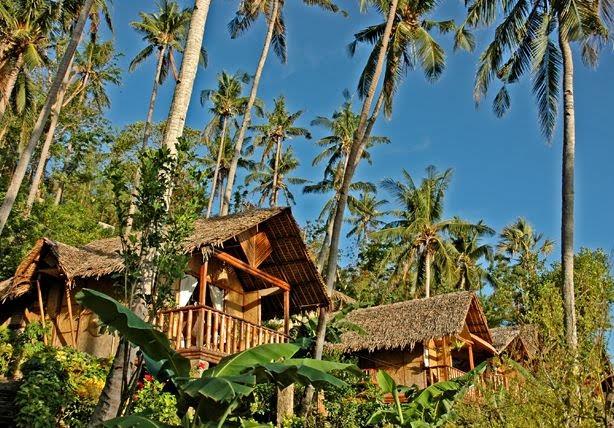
point(188, 340)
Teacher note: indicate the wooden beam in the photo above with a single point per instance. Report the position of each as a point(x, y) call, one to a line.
point(202, 283)
point(470, 352)
point(42, 309)
point(286, 312)
point(241, 265)
point(483, 343)
point(70, 320)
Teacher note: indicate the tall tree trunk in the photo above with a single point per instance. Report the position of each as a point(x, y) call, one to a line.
point(567, 217)
point(276, 172)
point(427, 274)
point(187, 75)
point(146, 135)
point(248, 109)
point(218, 163)
point(10, 85)
point(174, 130)
point(360, 137)
point(44, 155)
point(24, 160)
point(326, 243)
point(285, 404)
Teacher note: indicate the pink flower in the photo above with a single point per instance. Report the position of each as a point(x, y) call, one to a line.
point(148, 378)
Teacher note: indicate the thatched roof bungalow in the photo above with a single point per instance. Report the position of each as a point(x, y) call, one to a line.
point(252, 266)
point(420, 341)
point(520, 343)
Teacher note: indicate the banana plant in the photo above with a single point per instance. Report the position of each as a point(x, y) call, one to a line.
point(217, 395)
point(429, 407)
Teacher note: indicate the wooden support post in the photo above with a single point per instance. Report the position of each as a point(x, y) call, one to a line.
point(202, 298)
point(202, 283)
point(470, 351)
point(42, 309)
point(286, 312)
point(70, 320)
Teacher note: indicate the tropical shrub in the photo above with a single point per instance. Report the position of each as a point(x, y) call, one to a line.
point(60, 387)
point(6, 350)
point(153, 402)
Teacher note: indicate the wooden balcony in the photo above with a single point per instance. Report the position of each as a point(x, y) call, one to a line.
point(201, 332)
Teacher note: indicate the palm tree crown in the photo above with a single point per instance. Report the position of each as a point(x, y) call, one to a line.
point(420, 232)
point(165, 31)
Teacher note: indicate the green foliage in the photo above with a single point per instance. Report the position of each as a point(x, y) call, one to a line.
point(153, 402)
point(430, 407)
point(218, 394)
point(60, 386)
point(162, 361)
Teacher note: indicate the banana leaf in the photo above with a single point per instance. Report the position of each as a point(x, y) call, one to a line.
point(162, 361)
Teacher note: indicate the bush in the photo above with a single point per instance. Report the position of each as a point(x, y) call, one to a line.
point(6, 350)
point(60, 387)
point(157, 405)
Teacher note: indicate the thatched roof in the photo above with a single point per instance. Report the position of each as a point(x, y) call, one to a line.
point(523, 338)
point(290, 259)
point(402, 325)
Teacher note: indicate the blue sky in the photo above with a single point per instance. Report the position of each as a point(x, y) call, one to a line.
point(503, 168)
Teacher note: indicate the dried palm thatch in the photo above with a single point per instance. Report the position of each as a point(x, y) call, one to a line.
point(402, 325)
point(522, 339)
point(290, 259)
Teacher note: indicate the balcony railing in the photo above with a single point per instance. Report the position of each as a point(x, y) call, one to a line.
point(195, 330)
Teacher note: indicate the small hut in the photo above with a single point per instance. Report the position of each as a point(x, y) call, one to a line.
point(520, 343)
point(244, 269)
point(422, 341)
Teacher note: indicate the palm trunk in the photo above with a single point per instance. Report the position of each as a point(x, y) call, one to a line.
point(567, 217)
point(146, 135)
point(24, 160)
point(427, 274)
point(355, 153)
point(187, 75)
point(44, 155)
point(10, 85)
point(221, 192)
point(326, 243)
point(174, 130)
point(217, 168)
point(248, 109)
point(276, 173)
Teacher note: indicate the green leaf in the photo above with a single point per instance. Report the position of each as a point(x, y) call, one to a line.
point(133, 421)
point(236, 364)
point(166, 362)
point(386, 382)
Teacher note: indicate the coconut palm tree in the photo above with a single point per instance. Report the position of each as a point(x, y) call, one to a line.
point(271, 136)
point(93, 70)
point(247, 14)
point(535, 38)
point(26, 30)
point(227, 104)
point(52, 96)
point(419, 231)
point(275, 179)
point(411, 46)
point(365, 215)
point(518, 242)
point(110, 397)
point(163, 31)
point(469, 252)
point(342, 125)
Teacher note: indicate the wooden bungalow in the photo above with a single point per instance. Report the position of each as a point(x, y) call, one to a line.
point(244, 270)
point(519, 343)
point(422, 341)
